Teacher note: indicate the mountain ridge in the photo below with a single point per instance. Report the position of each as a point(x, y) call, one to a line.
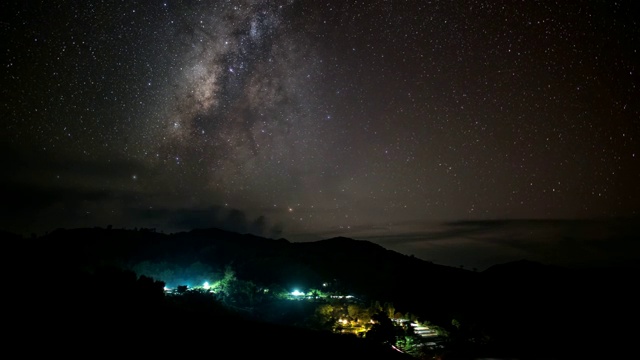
point(514, 302)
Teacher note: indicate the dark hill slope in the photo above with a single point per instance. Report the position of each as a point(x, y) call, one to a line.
point(521, 307)
point(363, 268)
point(544, 309)
point(113, 313)
point(370, 270)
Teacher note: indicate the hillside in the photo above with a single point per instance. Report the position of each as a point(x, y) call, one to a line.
point(360, 267)
point(510, 309)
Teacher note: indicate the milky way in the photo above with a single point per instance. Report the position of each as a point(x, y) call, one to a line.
point(307, 120)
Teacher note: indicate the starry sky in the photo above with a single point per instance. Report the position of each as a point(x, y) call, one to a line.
point(463, 132)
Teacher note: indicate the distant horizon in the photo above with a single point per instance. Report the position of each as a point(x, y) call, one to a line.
point(480, 244)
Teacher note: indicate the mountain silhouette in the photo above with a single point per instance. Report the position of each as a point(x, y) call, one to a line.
point(521, 307)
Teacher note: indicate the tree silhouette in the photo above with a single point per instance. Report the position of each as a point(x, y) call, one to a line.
point(383, 331)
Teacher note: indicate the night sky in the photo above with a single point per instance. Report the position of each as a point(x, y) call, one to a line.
point(464, 132)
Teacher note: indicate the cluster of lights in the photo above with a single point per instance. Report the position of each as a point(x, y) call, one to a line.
point(205, 286)
point(297, 293)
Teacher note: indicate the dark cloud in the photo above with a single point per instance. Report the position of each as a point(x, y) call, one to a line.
point(30, 208)
point(221, 217)
point(39, 166)
point(573, 243)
